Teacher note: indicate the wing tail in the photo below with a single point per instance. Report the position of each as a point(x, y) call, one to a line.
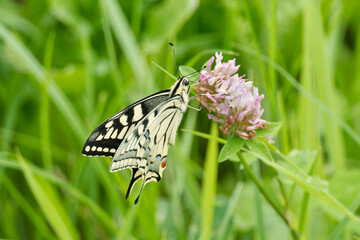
point(136, 175)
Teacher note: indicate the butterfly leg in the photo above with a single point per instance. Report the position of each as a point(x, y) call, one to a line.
point(195, 108)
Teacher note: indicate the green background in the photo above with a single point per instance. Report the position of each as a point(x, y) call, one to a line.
point(65, 66)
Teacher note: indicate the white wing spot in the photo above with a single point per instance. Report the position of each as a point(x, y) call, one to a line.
point(113, 150)
point(137, 113)
point(109, 124)
point(123, 119)
point(142, 141)
point(106, 150)
point(131, 127)
point(108, 134)
point(99, 149)
point(87, 148)
point(151, 117)
point(93, 148)
point(115, 133)
point(122, 133)
point(100, 137)
point(141, 129)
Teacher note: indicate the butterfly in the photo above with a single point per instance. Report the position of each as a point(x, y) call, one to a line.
point(138, 136)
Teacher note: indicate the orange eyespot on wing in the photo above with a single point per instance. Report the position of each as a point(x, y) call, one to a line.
point(163, 162)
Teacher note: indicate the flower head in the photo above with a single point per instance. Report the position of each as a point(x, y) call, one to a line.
point(230, 99)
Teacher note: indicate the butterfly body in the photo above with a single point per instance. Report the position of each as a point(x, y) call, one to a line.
point(138, 136)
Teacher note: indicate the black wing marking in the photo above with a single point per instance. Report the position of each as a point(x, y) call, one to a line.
point(107, 137)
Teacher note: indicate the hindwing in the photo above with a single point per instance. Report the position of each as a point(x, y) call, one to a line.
point(145, 148)
point(107, 137)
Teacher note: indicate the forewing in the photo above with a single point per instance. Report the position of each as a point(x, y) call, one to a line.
point(107, 137)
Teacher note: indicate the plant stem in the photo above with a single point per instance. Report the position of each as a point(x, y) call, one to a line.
point(267, 197)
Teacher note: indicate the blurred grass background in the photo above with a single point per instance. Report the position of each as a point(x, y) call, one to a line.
point(65, 66)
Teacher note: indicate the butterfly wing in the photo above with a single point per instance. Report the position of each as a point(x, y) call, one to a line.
point(145, 149)
point(107, 137)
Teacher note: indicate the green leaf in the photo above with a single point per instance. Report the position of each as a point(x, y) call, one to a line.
point(189, 72)
point(259, 148)
point(231, 147)
point(273, 129)
point(186, 70)
point(303, 159)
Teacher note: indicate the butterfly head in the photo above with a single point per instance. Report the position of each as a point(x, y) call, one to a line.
point(185, 81)
point(181, 88)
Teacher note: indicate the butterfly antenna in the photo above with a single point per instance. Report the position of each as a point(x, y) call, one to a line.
point(173, 47)
point(194, 73)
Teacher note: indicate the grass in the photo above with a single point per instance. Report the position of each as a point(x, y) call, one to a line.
point(66, 66)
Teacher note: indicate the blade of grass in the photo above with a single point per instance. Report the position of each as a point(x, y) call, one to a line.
point(110, 47)
point(284, 131)
point(221, 231)
point(29, 210)
point(305, 203)
point(272, 53)
point(303, 212)
point(126, 39)
point(209, 185)
point(34, 143)
point(49, 203)
point(125, 231)
point(336, 233)
point(249, 7)
point(155, 37)
point(323, 55)
point(137, 15)
point(33, 66)
point(20, 23)
point(44, 122)
point(10, 118)
point(6, 162)
point(88, 60)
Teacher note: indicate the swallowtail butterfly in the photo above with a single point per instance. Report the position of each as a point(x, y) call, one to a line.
point(138, 136)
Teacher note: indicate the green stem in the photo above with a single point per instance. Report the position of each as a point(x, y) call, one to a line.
point(266, 195)
point(259, 210)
